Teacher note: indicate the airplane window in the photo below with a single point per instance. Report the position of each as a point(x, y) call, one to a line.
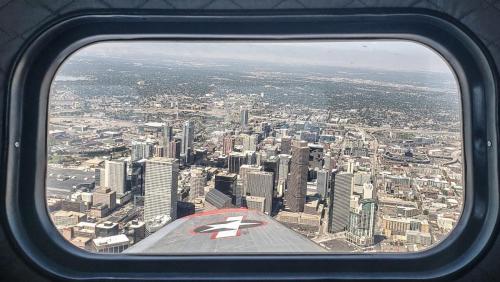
point(254, 147)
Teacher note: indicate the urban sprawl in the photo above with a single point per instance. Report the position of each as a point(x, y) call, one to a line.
point(355, 164)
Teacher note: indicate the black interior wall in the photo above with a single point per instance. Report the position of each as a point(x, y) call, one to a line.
point(20, 20)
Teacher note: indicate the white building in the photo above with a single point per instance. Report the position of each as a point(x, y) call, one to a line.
point(367, 191)
point(112, 244)
point(160, 189)
point(115, 176)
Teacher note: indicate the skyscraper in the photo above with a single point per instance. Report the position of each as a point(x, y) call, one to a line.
point(322, 182)
point(362, 223)
point(174, 149)
point(197, 182)
point(168, 135)
point(251, 157)
point(265, 129)
point(243, 117)
point(271, 164)
point(137, 177)
point(339, 215)
point(200, 157)
point(115, 176)
point(284, 169)
point(226, 183)
point(295, 195)
point(97, 175)
point(244, 170)
point(316, 156)
point(260, 184)
point(328, 164)
point(141, 150)
point(161, 189)
point(284, 166)
point(350, 166)
point(286, 145)
point(160, 151)
point(235, 161)
point(227, 145)
point(187, 139)
point(249, 142)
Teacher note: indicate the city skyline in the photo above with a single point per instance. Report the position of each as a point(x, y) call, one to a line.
point(149, 149)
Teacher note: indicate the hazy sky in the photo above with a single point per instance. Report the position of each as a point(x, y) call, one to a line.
point(385, 55)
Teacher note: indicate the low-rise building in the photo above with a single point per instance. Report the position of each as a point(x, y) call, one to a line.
point(112, 244)
point(255, 203)
point(67, 218)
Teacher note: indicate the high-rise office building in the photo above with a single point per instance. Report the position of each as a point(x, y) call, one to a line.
point(286, 145)
point(174, 149)
point(284, 169)
point(244, 170)
point(187, 140)
point(284, 166)
point(161, 189)
point(316, 156)
point(350, 166)
point(137, 177)
point(227, 145)
point(141, 150)
point(361, 226)
point(160, 151)
point(260, 184)
point(197, 182)
point(295, 195)
point(251, 157)
point(249, 142)
point(238, 194)
point(265, 128)
point(98, 173)
point(243, 117)
point(271, 164)
point(322, 182)
point(235, 161)
point(115, 176)
point(328, 163)
point(340, 203)
point(200, 157)
point(226, 183)
point(168, 135)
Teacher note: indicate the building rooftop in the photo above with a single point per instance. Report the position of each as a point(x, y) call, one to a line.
point(86, 225)
point(155, 124)
point(111, 240)
point(107, 224)
point(68, 214)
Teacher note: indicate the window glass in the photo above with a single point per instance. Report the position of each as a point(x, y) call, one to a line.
point(254, 147)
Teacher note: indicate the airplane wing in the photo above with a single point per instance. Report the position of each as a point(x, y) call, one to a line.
point(225, 231)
